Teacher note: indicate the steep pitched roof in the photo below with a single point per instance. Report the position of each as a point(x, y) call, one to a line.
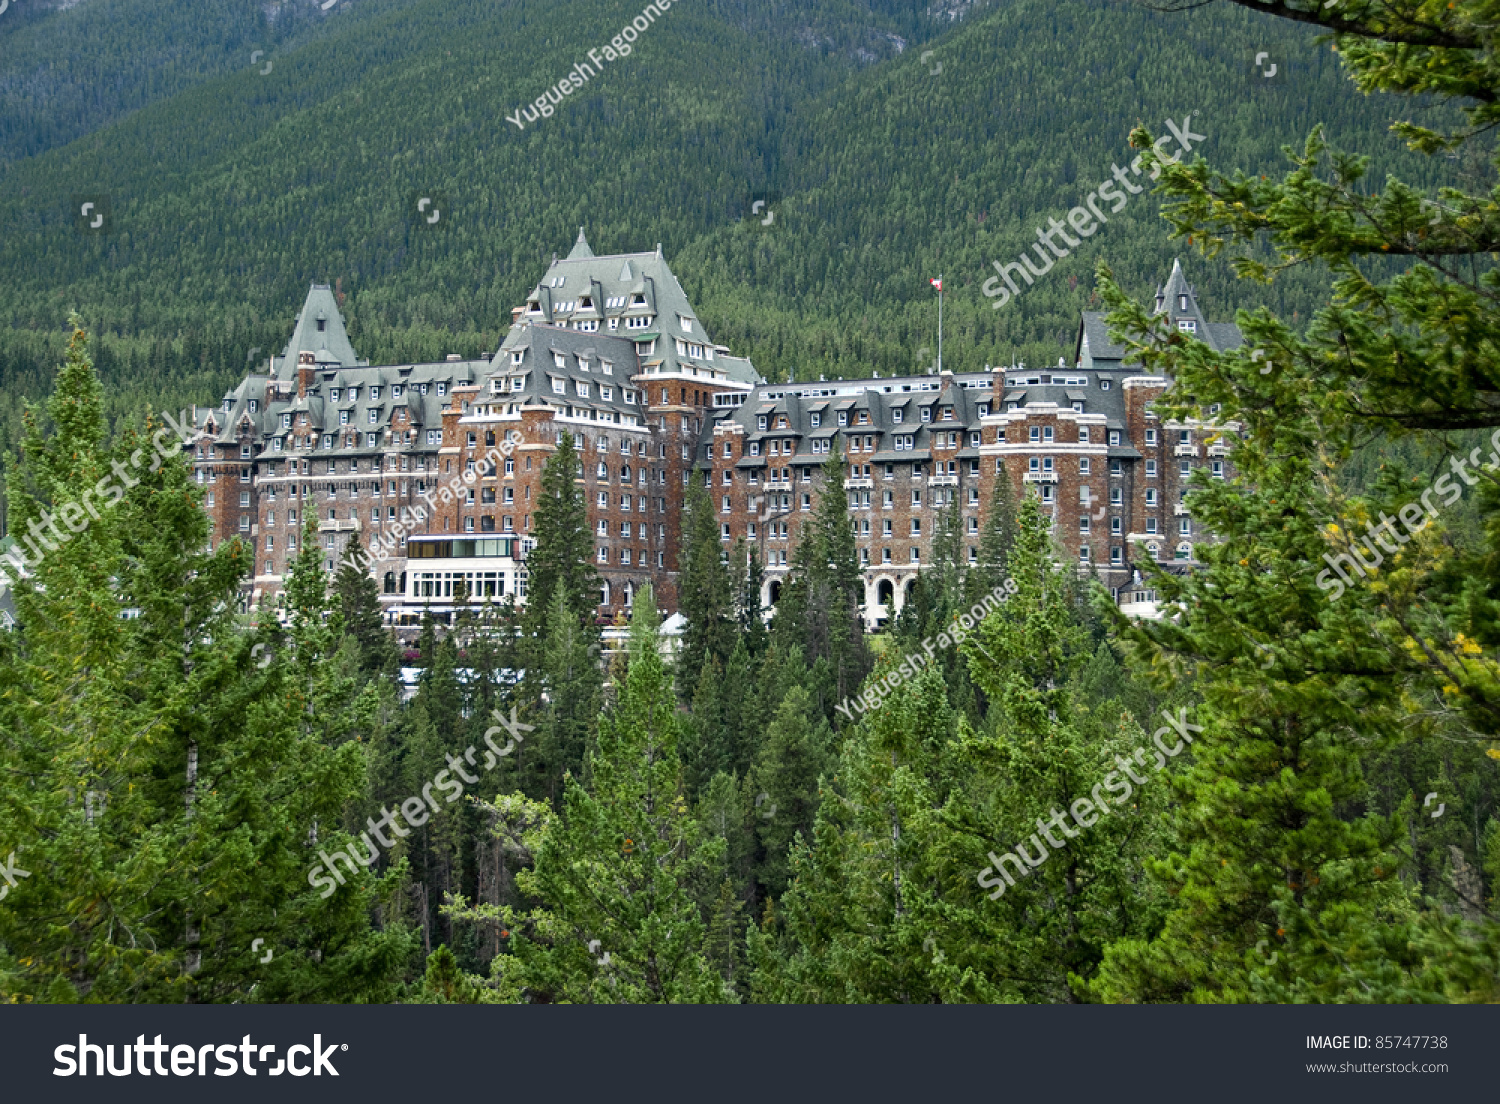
point(319, 330)
point(581, 250)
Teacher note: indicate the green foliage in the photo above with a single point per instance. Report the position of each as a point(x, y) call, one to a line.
point(614, 922)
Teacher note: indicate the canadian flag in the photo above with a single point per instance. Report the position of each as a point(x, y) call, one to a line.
point(938, 283)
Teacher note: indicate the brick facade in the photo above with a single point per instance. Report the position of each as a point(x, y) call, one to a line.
point(609, 350)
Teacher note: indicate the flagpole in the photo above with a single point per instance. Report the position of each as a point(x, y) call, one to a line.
point(940, 323)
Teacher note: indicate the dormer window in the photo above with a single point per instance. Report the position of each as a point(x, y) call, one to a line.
point(442, 388)
point(607, 367)
point(1182, 302)
point(637, 300)
point(322, 324)
point(896, 416)
point(586, 303)
point(254, 405)
point(816, 419)
point(228, 403)
point(558, 360)
point(1187, 325)
point(927, 413)
point(843, 417)
point(374, 393)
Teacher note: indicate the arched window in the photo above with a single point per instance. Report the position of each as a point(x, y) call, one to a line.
point(1154, 550)
point(885, 592)
point(1184, 551)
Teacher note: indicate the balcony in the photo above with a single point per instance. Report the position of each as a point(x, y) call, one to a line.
point(1218, 450)
point(1185, 450)
point(1039, 477)
point(344, 525)
point(942, 481)
point(863, 482)
point(1180, 510)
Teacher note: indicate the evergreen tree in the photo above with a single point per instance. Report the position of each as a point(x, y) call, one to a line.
point(1295, 877)
point(749, 613)
point(170, 764)
point(1071, 885)
point(822, 600)
point(783, 785)
point(562, 560)
point(614, 922)
point(997, 535)
point(359, 608)
point(572, 681)
point(705, 592)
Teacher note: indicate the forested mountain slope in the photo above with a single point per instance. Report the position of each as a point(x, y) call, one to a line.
point(886, 164)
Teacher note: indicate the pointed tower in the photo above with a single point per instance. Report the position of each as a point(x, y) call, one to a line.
point(319, 331)
point(581, 250)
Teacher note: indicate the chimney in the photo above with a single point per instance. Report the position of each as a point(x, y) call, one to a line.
point(306, 366)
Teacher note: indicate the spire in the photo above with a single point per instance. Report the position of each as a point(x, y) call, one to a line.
point(319, 329)
point(581, 250)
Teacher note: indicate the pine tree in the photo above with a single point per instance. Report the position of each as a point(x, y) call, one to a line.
point(572, 681)
point(705, 592)
point(749, 613)
point(359, 607)
point(1075, 888)
point(784, 784)
point(175, 767)
point(562, 560)
point(1294, 875)
point(614, 921)
point(998, 535)
point(821, 604)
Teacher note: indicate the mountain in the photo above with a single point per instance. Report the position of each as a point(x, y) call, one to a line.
point(892, 143)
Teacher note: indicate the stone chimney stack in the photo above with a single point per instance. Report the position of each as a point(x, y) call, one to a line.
point(305, 368)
